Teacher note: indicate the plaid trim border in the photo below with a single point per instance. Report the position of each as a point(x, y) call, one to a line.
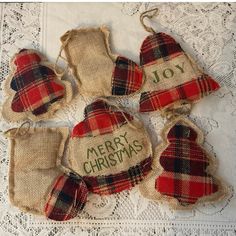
point(127, 77)
point(111, 184)
point(184, 163)
point(158, 46)
point(99, 120)
point(67, 198)
point(35, 85)
point(190, 91)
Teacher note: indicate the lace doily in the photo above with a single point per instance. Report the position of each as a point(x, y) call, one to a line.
point(208, 32)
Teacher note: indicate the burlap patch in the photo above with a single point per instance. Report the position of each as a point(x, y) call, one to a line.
point(35, 155)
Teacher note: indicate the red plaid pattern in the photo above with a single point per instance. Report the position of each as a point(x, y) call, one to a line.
point(162, 47)
point(158, 46)
point(190, 91)
point(36, 85)
point(67, 198)
point(127, 77)
point(110, 184)
point(184, 162)
point(99, 119)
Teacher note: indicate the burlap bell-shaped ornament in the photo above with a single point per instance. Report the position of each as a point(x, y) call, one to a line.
point(172, 78)
point(182, 172)
point(37, 182)
point(34, 90)
point(110, 149)
point(97, 70)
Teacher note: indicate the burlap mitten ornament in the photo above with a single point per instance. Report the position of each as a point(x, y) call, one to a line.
point(98, 71)
point(110, 149)
point(183, 172)
point(33, 88)
point(172, 78)
point(37, 182)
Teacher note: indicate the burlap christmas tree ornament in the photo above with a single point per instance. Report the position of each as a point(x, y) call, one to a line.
point(33, 89)
point(110, 149)
point(183, 172)
point(172, 78)
point(97, 70)
point(37, 182)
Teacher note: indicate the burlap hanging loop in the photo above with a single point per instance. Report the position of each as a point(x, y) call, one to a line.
point(154, 12)
point(57, 71)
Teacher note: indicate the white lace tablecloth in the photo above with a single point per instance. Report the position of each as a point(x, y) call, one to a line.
point(205, 30)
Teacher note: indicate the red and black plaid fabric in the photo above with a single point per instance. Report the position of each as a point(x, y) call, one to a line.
point(189, 91)
point(67, 198)
point(127, 77)
point(35, 84)
point(161, 46)
point(115, 183)
point(99, 119)
point(185, 165)
point(156, 46)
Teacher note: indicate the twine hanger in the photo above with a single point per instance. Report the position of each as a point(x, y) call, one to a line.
point(60, 74)
point(122, 112)
point(146, 14)
point(19, 131)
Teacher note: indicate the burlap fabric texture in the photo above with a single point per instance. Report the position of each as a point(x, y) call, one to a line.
point(38, 183)
point(97, 70)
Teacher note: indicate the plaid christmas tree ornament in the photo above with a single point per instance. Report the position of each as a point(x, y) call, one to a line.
point(109, 149)
point(185, 177)
point(34, 88)
point(67, 198)
point(172, 77)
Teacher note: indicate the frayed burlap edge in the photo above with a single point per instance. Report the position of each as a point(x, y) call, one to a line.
point(105, 30)
point(147, 187)
point(12, 134)
point(7, 112)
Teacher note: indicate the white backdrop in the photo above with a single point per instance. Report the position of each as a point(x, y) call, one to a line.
point(208, 32)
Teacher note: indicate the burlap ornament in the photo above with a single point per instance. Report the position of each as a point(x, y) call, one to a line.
point(110, 149)
point(172, 78)
point(183, 173)
point(97, 70)
point(37, 182)
point(33, 89)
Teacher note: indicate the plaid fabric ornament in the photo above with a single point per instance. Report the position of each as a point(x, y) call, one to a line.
point(185, 169)
point(172, 77)
point(67, 198)
point(98, 71)
point(109, 149)
point(34, 89)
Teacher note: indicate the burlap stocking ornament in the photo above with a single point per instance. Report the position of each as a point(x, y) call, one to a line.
point(110, 149)
point(37, 183)
point(34, 90)
point(97, 70)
